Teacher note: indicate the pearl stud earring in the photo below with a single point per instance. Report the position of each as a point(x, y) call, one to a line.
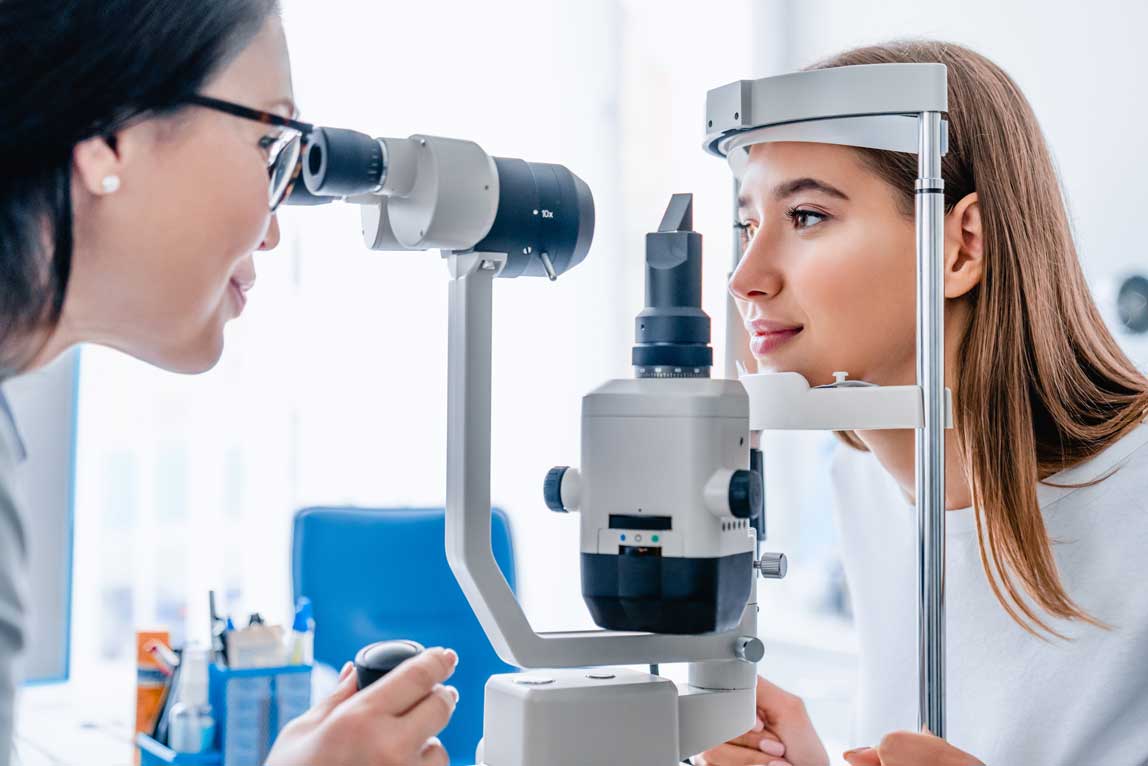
point(110, 184)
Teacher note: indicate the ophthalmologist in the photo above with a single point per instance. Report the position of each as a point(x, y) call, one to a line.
point(146, 145)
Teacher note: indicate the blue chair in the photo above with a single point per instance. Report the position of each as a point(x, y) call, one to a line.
point(380, 574)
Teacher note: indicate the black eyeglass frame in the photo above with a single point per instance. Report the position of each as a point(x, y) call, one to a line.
point(304, 129)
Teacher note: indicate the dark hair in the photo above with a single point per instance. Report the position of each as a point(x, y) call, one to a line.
point(71, 70)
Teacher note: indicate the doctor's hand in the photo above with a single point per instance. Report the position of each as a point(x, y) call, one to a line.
point(393, 722)
point(783, 736)
point(904, 748)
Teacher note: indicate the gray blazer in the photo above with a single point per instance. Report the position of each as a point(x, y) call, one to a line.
point(13, 565)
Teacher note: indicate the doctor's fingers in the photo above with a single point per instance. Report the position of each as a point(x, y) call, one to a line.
point(343, 692)
point(408, 739)
point(433, 754)
point(430, 716)
point(409, 683)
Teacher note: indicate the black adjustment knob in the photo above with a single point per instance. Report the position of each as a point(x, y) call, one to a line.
point(376, 660)
point(341, 163)
point(552, 488)
point(757, 465)
point(744, 494)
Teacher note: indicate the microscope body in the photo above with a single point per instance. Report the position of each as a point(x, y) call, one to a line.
point(661, 552)
point(666, 488)
point(666, 491)
point(661, 548)
point(668, 544)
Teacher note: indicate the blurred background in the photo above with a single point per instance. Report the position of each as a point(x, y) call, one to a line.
point(333, 386)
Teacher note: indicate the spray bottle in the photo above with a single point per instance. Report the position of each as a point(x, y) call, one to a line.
point(192, 726)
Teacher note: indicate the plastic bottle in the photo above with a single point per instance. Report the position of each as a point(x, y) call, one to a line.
point(192, 725)
point(301, 641)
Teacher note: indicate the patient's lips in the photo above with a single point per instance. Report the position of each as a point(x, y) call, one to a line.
point(767, 336)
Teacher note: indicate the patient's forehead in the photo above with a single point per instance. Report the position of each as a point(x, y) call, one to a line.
point(800, 158)
point(773, 164)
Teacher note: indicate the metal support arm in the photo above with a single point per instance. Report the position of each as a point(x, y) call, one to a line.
point(468, 511)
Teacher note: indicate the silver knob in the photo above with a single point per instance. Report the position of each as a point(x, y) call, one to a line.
point(750, 648)
point(772, 565)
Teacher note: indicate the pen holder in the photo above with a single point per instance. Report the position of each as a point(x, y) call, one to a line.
point(250, 706)
point(153, 753)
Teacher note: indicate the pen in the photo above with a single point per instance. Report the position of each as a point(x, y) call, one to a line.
point(218, 648)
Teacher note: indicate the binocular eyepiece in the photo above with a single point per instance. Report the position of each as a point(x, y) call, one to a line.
point(338, 163)
point(343, 163)
point(541, 215)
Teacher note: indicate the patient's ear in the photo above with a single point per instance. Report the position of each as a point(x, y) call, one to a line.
point(964, 247)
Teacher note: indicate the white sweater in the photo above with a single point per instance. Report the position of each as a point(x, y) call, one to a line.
point(1012, 699)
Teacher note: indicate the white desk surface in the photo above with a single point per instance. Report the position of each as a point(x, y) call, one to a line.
point(88, 721)
point(84, 722)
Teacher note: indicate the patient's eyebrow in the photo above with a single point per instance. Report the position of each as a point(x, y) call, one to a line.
point(795, 186)
point(789, 188)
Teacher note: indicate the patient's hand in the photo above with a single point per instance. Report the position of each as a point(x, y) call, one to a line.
point(783, 736)
point(393, 722)
point(903, 748)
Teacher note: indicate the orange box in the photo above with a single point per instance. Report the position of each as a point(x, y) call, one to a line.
point(150, 680)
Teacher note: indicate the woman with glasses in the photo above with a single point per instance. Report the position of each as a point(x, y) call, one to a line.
point(146, 145)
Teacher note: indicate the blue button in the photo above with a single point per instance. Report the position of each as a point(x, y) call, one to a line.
point(623, 538)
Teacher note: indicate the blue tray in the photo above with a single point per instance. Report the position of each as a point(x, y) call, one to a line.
point(250, 707)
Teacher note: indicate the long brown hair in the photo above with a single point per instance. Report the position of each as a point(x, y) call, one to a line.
point(1043, 384)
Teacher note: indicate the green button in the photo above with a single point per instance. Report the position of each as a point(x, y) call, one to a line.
point(654, 538)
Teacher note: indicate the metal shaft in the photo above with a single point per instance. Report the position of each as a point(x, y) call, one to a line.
point(930, 446)
point(734, 336)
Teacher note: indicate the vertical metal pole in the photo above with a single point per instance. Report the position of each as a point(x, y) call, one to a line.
point(733, 332)
point(736, 340)
point(930, 446)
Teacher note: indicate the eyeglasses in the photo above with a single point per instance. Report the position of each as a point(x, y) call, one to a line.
point(283, 151)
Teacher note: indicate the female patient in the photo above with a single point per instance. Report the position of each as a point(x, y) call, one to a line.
point(1047, 468)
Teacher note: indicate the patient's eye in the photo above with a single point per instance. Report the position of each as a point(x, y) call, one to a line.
point(804, 218)
point(747, 230)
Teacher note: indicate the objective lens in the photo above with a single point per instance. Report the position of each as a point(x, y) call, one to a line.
point(544, 222)
point(672, 334)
